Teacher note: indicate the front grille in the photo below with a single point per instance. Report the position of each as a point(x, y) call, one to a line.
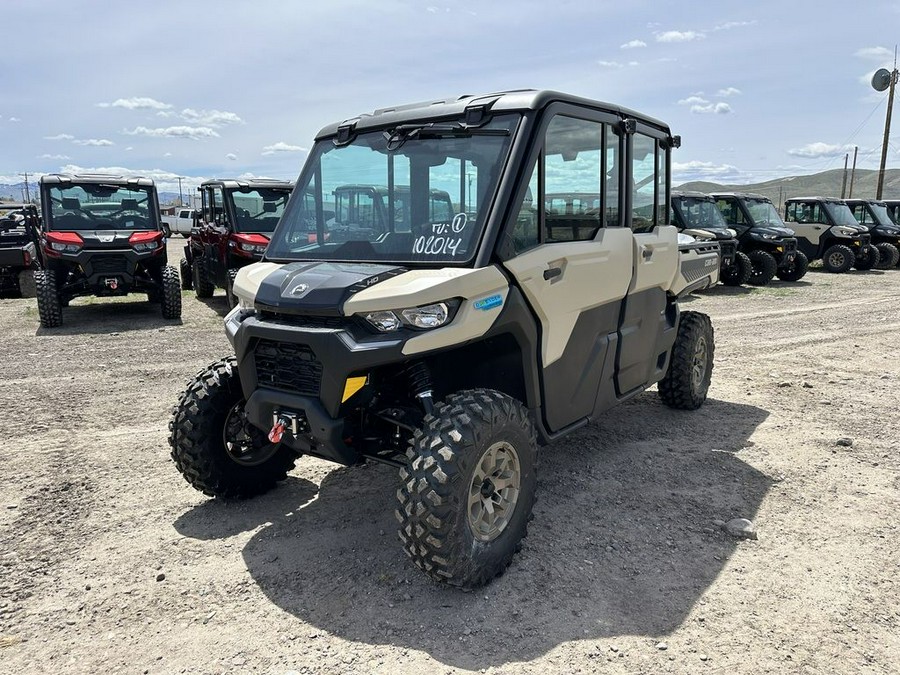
point(729, 248)
point(307, 321)
point(288, 366)
point(865, 239)
point(109, 264)
point(790, 245)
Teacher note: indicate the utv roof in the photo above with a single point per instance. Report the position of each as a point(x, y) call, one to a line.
point(64, 178)
point(740, 195)
point(831, 200)
point(877, 202)
point(247, 184)
point(474, 106)
point(692, 194)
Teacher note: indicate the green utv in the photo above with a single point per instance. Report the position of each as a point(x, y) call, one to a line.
point(452, 346)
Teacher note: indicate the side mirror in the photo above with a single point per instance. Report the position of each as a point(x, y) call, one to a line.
point(166, 230)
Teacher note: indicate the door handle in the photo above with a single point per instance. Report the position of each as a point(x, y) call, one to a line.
point(552, 273)
point(646, 252)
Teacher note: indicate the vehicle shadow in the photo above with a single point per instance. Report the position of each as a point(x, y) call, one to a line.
point(101, 317)
point(217, 303)
point(621, 544)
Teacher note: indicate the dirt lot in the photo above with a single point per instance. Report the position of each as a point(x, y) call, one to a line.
point(110, 562)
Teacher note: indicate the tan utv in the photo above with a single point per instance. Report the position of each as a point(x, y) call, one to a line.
point(451, 346)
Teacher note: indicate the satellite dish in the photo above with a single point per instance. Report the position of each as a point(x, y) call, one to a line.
point(881, 80)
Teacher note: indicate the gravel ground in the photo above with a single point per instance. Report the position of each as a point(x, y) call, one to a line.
point(110, 562)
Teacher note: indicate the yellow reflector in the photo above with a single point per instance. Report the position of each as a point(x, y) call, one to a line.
point(354, 384)
point(779, 248)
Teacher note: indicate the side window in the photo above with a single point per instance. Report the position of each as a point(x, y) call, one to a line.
point(644, 176)
point(207, 206)
point(662, 179)
point(730, 211)
point(818, 214)
point(218, 205)
point(525, 230)
point(612, 165)
point(573, 162)
point(793, 213)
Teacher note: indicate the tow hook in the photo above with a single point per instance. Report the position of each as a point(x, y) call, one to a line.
point(112, 283)
point(284, 421)
point(277, 432)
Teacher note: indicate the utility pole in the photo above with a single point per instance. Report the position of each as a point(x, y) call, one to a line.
point(180, 194)
point(27, 192)
point(844, 181)
point(853, 171)
point(887, 127)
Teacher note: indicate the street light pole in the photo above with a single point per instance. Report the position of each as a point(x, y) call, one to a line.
point(180, 195)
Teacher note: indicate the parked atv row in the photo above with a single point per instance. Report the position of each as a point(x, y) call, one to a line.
point(20, 248)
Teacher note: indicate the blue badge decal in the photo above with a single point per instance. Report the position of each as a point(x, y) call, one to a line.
point(489, 302)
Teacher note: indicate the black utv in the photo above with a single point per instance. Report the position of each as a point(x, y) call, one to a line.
point(892, 206)
point(826, 230)
point(695, 214)
point(884, 231)
point(450, 345)
point(763, 236)
point(20, 252)
point(102, 235)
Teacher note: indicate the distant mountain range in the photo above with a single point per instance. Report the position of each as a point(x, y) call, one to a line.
point(824, 184)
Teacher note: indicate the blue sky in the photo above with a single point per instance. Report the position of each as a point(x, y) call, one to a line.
point(222, 89)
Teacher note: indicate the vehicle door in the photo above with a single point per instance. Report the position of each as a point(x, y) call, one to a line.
point(811, 222)
point(218, 233)
point(646, 327)
point(574, 270)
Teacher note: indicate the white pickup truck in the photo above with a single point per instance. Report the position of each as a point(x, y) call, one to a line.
point(181, 223)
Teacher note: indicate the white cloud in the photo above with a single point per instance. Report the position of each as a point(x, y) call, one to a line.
point(166, 114)
point(719, 108)
point(697, 170)
point(819, 150)
point(231, 156)
point(728, 91)
point(875, 53)
point(59, 137)
point(49, 156)
point(194, 133)
point(136, 103)
point(14, 119)
point(281, 146)
point(93, 142)
point(633, 44)
point(129, 149)
point(609, 64)
point(693, 99)
point(212, 118)
point(168, 154)
point(728, 25)
point(679, 36)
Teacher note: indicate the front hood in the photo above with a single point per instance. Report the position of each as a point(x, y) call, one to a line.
point(319, 288)
point(709, 233)
point(776, 231)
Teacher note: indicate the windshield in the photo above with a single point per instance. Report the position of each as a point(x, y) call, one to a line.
point(880, 214)
point(763, 213)
point(841, 214)
point(259, 210)
point(702, 213)
point(96, 206)
point(412, 194)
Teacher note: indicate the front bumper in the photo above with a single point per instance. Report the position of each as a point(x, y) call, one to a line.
point(100, 267)
point(301, 369)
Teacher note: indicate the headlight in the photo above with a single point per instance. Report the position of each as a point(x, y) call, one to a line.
point(769, 237)
point(429, 316)
point(846, 231)
point(253, 248)
point(65, 248)
point(423, 317)
point(732, 232)
point(245, 304)
point(146, 246)
point(384, 321)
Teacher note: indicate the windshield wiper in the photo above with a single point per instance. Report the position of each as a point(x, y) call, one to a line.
point(397, 136)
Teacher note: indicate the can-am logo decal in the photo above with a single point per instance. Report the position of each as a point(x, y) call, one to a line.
point(489, 302)
point(299, 289)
